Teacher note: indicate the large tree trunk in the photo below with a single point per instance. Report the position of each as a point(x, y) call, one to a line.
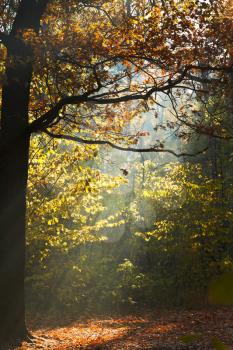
point(14, 149)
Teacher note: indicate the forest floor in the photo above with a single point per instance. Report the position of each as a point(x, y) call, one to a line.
point(158, 330)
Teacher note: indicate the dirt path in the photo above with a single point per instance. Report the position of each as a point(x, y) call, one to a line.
point(157, 331)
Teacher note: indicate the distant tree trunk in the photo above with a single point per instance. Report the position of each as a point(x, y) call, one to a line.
point(128, 7)
point(14, 150)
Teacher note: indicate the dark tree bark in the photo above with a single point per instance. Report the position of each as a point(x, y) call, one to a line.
point(13, 180)
point(14, 152)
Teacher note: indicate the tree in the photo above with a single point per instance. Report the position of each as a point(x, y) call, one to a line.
point(67, 68)
point(67, 217)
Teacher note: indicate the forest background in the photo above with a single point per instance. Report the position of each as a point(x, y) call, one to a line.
point(109, 230)
point(116, 119)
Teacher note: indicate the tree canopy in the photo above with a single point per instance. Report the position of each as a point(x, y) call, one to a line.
point(88, 57)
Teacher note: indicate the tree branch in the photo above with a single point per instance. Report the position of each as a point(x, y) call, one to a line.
point(126, 149)
point(45, 120)
point(201, 79)
point(4, 38)
point(29, 15)
point(212, 68)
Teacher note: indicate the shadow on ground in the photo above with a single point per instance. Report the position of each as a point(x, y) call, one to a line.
point(152, 331)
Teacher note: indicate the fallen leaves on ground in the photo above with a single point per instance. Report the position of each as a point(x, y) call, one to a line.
point(155, 330)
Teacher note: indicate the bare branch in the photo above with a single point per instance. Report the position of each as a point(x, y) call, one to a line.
point(126, 149)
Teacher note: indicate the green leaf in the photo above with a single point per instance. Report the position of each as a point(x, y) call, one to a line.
point(221, 290)
point(190, 338)
point(218, 345)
